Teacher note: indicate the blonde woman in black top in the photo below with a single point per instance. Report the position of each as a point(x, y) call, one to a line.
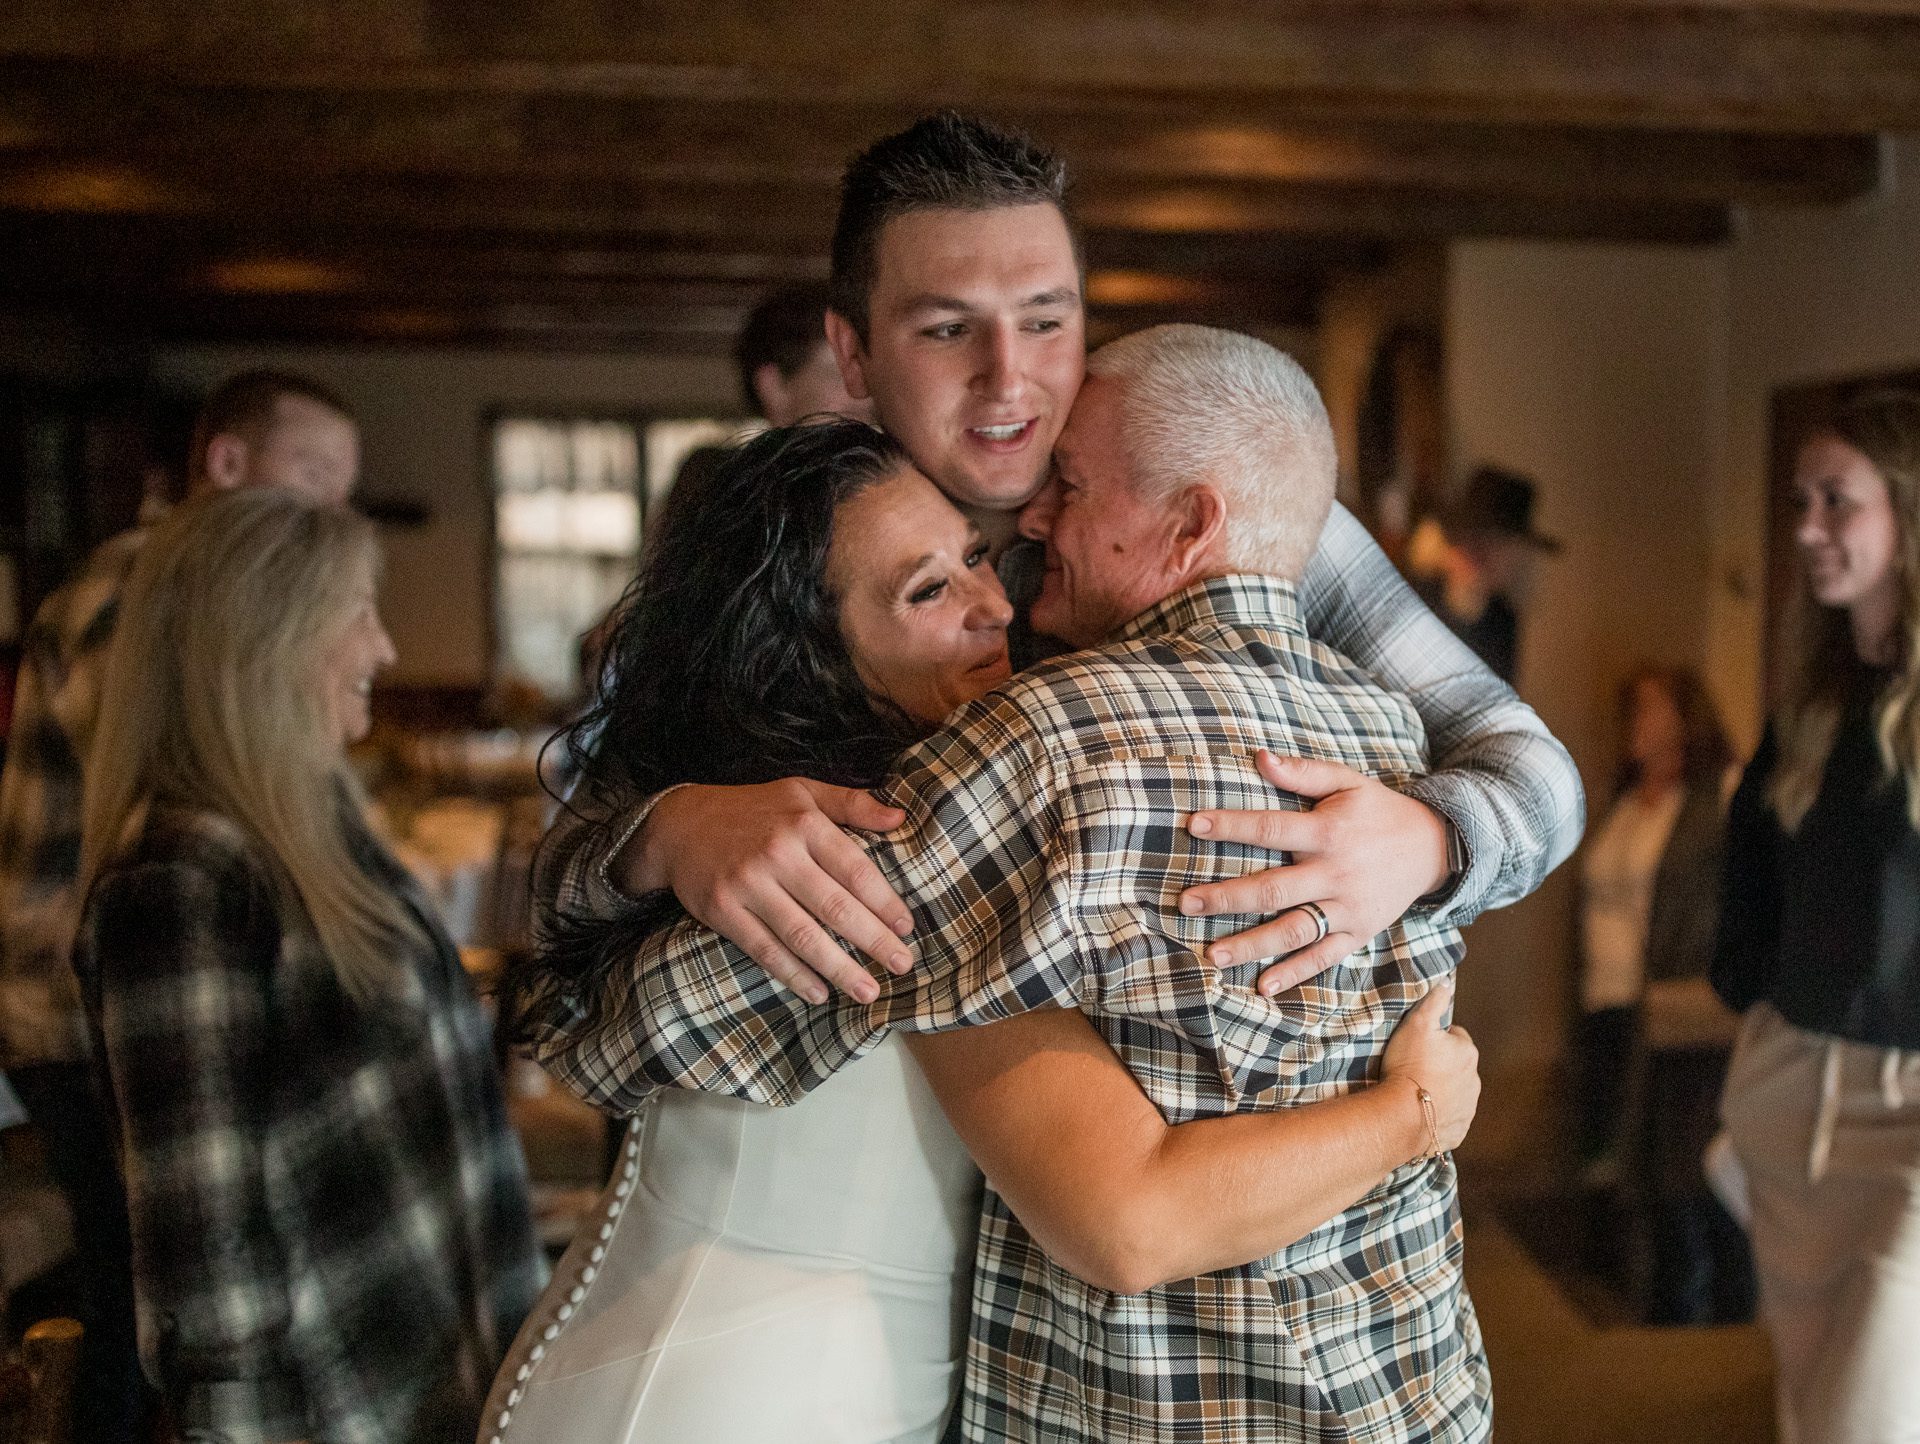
point(1820, 945)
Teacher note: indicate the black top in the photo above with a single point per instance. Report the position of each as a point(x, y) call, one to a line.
point(1494, 635)
point(1825, 924)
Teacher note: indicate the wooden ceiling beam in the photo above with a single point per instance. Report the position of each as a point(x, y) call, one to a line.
point(287, 288)
point(796, 217)
point(594, 324)
point(777, 218)
point(179, 282)
point(89, 244)
point(67, 111)
point(162, 245)
point(1753, 66)
point(47, 254)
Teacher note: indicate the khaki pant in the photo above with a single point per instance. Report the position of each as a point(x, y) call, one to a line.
point(1829, 1135)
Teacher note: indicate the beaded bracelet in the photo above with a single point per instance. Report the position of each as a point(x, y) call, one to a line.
point(1428, 1112)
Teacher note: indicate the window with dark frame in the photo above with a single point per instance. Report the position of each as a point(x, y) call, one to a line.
point(571, 496)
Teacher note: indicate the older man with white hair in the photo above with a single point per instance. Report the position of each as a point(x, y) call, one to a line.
point(1191, 453)
point(1041, 859)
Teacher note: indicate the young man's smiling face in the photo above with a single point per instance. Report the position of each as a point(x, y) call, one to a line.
point(975, 346)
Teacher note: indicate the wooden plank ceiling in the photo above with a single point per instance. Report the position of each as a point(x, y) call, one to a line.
point(593, 173)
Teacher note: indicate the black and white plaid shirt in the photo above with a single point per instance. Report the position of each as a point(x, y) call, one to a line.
point(1044, 859)
point(55, 700)
point(331, 1232)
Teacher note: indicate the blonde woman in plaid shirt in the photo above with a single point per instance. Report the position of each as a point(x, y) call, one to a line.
point(331, 1237)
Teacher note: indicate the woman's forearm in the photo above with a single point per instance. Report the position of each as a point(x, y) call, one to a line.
point(1220, 1192)
point(1111, 1191)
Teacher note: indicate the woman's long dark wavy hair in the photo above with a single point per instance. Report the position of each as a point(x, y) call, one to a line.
point(725, 666)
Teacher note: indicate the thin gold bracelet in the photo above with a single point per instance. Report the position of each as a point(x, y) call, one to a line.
point(1428, 1112)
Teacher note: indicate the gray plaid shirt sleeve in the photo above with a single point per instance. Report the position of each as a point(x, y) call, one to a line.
point(1509, 789)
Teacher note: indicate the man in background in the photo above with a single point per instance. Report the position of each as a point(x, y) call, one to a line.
point(787, 369)
point(260, 428)
point(1475, 573)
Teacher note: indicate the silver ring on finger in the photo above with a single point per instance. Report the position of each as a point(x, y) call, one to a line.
point(1321, 927)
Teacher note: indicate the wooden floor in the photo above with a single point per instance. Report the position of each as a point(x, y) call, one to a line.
point(1559, 1378)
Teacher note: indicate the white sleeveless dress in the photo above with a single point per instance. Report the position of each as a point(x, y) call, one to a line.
point(760, 1274)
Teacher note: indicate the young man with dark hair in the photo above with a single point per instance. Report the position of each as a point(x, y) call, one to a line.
point(787, 370)
point(948, 161)
point(259, 428)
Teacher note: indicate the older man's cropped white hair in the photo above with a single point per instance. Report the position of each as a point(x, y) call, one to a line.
point(1205, 405)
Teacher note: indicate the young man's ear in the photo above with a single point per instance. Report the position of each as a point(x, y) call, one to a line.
point(1200, 521)
point(850, 354)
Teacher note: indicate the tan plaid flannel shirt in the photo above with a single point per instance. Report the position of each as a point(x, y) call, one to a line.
point(58, 694)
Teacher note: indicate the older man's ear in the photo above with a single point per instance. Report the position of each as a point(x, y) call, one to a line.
point(1197, 548)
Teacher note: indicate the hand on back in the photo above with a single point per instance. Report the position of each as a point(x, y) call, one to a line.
point(1442, 1060)
point(1361, 853)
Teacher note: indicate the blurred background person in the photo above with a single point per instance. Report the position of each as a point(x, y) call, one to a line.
point(1474, 566)
point(1652, 1042)
point(259, 428)
point(1819, 944)
point(331, 1235)
point(787, 369)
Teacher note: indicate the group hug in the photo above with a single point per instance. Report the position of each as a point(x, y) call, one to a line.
point(1010, 880)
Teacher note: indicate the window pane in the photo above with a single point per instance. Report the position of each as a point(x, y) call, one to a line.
point(546, 603)
point(569, 497)
point(567, 535)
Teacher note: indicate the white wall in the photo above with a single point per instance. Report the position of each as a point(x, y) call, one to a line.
point(1634, 383)
point(1597, 370)
point(421, 427)
point(1813, 295)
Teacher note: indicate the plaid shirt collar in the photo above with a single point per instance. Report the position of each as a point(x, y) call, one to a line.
point(1235, 601)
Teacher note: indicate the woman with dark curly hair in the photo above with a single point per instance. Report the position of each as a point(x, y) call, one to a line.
point(814, 605)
